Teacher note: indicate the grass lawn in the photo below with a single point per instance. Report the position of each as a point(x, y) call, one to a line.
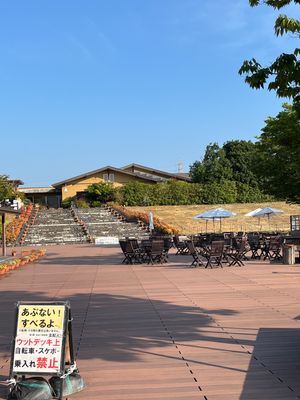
point(181, 217)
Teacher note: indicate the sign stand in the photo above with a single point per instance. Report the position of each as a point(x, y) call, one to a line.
point(42, 343)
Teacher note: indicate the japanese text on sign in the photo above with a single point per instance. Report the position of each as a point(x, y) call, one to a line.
point(39, 337)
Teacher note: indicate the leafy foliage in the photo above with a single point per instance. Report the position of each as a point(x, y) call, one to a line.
point(250, 194)
point(241, 155)
point(282, 75)
point(278, 151)
point(215, 167)
point(7, 189)
point(66, 203)
point(101, 192)
point(183, 193)
point(81, 203)
point(234, 161)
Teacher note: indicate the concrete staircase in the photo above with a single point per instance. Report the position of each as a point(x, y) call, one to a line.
point(54, 226)
point(61, 226)
point(101, 222)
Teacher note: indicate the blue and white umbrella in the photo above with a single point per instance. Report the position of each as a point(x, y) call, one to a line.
point(216, 214)
point(266, 212)
point(252, 213)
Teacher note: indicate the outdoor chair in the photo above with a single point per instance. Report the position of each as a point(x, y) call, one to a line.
point(255, 246)
point(215, 254)
point(168, 244)
point(238, 254)
point(228, 241)
point(196, 254)
point(123, 248)
point(156, 253)
point(273, 249)
point(236, 244)
point(145, 248)
point(180, 245)
point(131, 255)
point(134, 243)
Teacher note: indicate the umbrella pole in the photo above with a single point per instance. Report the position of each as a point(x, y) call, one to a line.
point(206, 225)
point(220, 225)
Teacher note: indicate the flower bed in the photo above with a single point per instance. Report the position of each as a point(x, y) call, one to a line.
point(144, 217)
point(26, 257)
point(13, 228)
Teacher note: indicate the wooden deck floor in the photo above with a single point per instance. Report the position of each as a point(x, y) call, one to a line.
point(168, 332)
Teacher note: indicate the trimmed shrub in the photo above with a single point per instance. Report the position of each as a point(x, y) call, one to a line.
point(101, 192)
point(183, 193)
point(96, 203)
point(249, 194)
point(219, 193)
point(82, 204)
point(131, 215)
point(66, 203)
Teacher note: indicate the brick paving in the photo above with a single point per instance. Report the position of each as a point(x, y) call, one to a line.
point(168, 332)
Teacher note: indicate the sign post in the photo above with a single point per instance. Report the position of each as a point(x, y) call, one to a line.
point(42, 343)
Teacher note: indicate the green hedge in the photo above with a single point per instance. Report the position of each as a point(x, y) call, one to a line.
point(177, 193)
point(183, 193)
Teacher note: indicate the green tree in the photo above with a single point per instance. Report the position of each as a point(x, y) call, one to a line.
point(100, 192)
point(278, 155)
point(215, 167)
point(7, 189)
point(283, 74)
point(241, 154)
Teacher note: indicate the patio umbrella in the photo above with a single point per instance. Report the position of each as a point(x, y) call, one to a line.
point(215, 214)
point(267, 212)
point(151, 224)
point(252, 213)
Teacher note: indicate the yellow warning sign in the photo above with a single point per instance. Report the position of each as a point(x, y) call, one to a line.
point(40, 317)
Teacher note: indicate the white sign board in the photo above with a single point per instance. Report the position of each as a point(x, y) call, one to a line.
point(102, 240)
point(39, 339)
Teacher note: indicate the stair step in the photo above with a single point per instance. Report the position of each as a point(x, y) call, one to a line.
point(59, 226)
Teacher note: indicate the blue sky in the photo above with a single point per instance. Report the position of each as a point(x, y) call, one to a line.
point(89, 83)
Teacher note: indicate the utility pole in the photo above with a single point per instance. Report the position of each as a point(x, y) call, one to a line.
point(180, 167)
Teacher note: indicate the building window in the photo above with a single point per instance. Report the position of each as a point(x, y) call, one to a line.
point(109, 177)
